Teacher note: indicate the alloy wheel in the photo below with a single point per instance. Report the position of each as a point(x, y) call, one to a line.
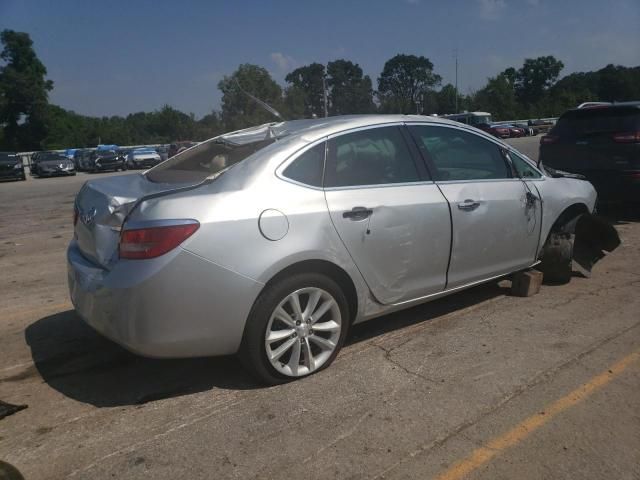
point(303, 332)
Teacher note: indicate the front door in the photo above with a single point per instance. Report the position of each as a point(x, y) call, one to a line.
point(394, 222)
point(496, 218)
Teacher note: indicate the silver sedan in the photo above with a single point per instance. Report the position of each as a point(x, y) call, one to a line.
point(272, 241)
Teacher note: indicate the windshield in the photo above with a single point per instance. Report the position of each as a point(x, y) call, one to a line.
point(46, 157)
point(105, 153)
point(204, 160)
point(479, 119)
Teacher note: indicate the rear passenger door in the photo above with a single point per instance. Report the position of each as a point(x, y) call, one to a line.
point(390, 215)
point(495, 223)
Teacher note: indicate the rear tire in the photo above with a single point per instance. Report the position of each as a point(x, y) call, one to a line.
point(280, 344)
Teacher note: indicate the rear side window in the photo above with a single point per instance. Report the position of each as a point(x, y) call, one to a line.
point(376, 156)
point(459, 155)
point(308, 167)
point(593, 121)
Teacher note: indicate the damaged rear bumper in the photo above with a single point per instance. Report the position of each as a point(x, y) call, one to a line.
point(176, 305)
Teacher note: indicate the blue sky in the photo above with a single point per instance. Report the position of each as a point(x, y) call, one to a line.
point(120, 57)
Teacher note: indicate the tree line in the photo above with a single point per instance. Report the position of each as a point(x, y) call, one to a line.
point(407, 84)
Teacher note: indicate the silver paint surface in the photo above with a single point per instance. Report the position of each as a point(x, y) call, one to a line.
point(195, 299)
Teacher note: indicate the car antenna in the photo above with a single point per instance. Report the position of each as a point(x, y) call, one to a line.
point(264, 105)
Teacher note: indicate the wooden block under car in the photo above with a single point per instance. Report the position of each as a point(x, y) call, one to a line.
point(526, 284)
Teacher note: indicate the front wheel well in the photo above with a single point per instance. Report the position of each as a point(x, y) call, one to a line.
point(566, 221)
point(329, 269)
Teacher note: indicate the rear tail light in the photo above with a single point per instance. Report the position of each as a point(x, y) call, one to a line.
point(547, 139)
point(627, 137)
point(143, 243)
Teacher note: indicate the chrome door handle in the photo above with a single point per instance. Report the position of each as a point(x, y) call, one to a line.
point(468, 205)
point(358, 213)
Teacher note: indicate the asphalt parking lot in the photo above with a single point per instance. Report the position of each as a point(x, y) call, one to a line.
point(478, 385)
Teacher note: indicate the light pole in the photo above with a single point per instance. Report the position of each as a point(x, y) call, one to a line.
point(456, 54)
point(324, 95)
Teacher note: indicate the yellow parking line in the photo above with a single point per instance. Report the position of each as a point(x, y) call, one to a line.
point(34, 311)
point(518, 433)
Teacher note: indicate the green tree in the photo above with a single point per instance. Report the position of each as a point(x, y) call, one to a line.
point(571, 91)
point(349, 90)
point(208, 126)
point(66, 129)
point(238, 109)
point(404, 82)
point(535, 78)
point(169, 124)
point(296, 104)
point(308, 86)
point(498, 98)
point(23, 93)
point(618, 83)
point(446, 100)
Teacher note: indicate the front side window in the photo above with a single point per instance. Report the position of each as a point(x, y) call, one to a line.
point(522, 167)
point(376, 156)
point(308, 167)
point(459, 155)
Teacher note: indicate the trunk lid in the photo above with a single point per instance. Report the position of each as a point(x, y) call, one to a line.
point(102, 206)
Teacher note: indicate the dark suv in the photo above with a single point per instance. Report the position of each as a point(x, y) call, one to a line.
point(603, 144)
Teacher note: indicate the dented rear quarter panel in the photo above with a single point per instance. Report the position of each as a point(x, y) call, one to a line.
point(229, 211)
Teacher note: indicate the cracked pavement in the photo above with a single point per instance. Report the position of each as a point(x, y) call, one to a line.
point(410, 395)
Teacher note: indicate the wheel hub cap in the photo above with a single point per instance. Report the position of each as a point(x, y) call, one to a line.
point(303, 331)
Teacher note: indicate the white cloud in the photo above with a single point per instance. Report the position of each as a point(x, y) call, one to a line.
point(284, 62)
point(491, 9)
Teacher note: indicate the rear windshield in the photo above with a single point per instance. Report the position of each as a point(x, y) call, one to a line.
point(593, 121)
point(204, 160)
point(46, 157)
point(479, 119)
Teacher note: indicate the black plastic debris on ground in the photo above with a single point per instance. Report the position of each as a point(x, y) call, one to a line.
point(9, 472)
point(7, 409)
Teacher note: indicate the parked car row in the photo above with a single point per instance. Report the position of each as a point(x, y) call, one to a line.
point(101, 159)
point(93, 160)
point(483, 121)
